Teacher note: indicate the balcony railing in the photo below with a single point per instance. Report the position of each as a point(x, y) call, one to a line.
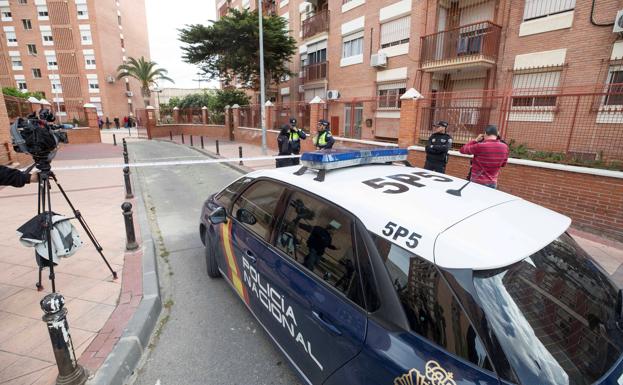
point(314, 72)
point(468, 44)
point(315, 24)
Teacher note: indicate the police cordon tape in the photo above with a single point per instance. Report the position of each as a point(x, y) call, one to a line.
point(173, 163)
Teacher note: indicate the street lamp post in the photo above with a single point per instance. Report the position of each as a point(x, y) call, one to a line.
point(262, 91)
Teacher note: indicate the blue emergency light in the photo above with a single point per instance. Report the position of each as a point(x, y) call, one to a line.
point(334, 159)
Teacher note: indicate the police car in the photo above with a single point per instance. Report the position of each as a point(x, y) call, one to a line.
point(389, 274)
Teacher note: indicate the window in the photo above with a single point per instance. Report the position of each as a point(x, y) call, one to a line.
point(83, 11)
point(46, 36)
point(55, 82)
point(22, 2)
point(316, 53)
point(11, 38)
point(614, 90)
point(389, 94)
point(352, 45)
point(85, 35)
point(122, 43)
point(94, 86)
point(534, 9)
point(431, 308)
point(353, 117)
point(50, 59)
point(16, 63)
point(89, 60)
point(318, 236)
point(42, 12)
point(32, 49)
point(5, 14)
point(395, 32)
point(36, 73)
point(226, 197)
point(27, 24)
point(541, 83)
point(255, 208)
point(21, 85)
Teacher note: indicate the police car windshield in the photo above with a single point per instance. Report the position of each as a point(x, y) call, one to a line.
point(554, 315)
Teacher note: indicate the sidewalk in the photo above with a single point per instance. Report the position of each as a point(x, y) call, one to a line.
point(607, 252)
point(91, 295)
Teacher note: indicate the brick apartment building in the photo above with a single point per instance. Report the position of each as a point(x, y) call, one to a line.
point(361, 55)
point(70, 51)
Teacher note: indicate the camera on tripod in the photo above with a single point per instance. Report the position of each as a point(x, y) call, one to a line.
point(37, 136)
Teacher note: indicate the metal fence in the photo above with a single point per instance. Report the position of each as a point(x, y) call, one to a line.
point(190, 116)
point(580, 126)
point(17, 107)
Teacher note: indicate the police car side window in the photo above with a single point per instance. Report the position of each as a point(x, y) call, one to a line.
point(318, 236)
point(432, 309)
point(227, 195)
point(255, 208)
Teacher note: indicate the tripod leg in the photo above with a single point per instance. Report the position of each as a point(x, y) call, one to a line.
point(38, 284)
point(48, 228)
point(86, 228)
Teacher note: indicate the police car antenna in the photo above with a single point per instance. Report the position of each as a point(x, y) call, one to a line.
point(457, 192)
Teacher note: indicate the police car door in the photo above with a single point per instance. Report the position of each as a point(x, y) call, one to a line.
point(245, 243)
point(315, 272)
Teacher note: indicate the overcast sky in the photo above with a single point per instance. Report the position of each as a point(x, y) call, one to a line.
point(164, 17)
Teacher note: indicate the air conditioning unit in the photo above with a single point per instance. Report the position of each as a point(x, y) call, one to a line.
point(301, 89)
point(110, 79)
point(129, 94)
point(618, 22)
point(333, 94)
point(306, 7)
point(378, 60)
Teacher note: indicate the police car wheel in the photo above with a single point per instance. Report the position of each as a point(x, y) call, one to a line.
point(211, 263)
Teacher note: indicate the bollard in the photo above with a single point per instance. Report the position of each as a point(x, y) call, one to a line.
point(240, 155)
point(114, 140)
point(129, 227)
point(69, 371)
point(171, 135)
point(202, 142)
point(129, 131)
point(218, 152)
point(191, 141)
point(125, 158)
point(125, 145)
point(128, 185)
point(182, 138)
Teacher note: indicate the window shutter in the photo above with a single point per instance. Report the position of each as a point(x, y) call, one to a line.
point(538, 8)
point(395, 30)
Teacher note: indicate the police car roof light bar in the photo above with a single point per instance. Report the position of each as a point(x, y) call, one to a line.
point(325, 160)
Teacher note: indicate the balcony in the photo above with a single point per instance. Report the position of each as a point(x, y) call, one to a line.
point(313, 25)
point(472, 45)
point(269, 8)
point(315, 72)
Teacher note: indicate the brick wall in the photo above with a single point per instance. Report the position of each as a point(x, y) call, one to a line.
point(594, 203)
point(84, 135)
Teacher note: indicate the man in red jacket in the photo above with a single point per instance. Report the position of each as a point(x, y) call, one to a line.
point(490, 155)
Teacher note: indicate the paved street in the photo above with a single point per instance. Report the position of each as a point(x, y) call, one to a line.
point(210, 337)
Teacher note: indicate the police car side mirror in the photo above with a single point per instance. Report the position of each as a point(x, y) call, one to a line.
point(245, 216)
point(219, 215)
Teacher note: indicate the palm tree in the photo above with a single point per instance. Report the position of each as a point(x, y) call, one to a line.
point(145, 72)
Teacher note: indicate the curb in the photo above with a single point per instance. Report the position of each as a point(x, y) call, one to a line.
point(125, 356)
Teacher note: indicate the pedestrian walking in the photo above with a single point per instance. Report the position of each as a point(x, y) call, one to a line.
point(125, 121)
point(107, 123)
point(490, 155)
point(323, 139)
point(116, 120)
point(100, 122)
point(296, 135)
point(437, 147)
point(285, 148)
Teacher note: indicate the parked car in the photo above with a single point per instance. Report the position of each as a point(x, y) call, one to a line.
point(388, 274)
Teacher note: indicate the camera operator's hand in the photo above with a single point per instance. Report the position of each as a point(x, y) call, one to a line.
point(34, 177)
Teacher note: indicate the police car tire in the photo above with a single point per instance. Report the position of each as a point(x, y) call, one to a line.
point(211, 263)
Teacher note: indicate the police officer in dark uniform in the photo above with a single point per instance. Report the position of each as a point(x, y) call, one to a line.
point(296, 135)
point(323, 139)
point(437, 147)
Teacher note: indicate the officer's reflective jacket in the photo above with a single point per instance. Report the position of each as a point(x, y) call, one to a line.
point(324, 140)
point(295, 139)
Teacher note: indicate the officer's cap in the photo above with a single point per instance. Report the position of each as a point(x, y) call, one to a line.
point(323, 123)
point(293, 121)
point(441, 123)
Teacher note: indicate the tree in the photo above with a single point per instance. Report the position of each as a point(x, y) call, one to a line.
point(228, 49)
point(12, 91)
point(145, 72)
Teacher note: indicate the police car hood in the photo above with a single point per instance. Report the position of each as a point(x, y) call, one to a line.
point(481, 229)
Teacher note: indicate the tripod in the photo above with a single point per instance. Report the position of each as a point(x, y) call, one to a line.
point(44, 198)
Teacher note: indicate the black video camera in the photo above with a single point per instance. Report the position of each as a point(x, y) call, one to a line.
point(37, 136)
